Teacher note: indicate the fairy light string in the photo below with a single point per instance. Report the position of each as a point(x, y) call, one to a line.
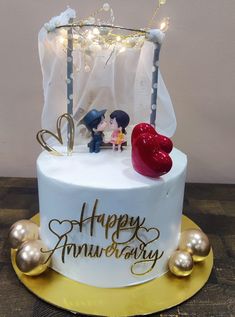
point(103, 32)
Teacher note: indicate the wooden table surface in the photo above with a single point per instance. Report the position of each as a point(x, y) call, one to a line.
point(212, 207)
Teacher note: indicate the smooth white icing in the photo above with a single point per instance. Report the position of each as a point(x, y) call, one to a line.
point(66, 182)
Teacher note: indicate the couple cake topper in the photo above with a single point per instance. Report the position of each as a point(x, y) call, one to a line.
point(95, 122)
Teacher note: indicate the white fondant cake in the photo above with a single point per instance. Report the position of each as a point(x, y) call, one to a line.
point(105, 224)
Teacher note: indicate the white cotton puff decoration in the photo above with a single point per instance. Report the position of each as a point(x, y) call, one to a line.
point(156, 36)
point(62, 19)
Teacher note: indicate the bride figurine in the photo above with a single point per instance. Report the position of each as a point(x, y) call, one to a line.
point(119, 120)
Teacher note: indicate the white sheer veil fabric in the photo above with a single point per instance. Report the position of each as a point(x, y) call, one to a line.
point(115, 80)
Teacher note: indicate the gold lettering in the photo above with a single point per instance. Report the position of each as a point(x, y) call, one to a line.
point(122, 222)
point(101, 219)
point(93, 216)
point(131, 228)
point(110, 250)
point(111, 221)
point(151, 261)
point(81, 216)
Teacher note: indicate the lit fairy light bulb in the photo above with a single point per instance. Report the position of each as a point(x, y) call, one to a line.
point(118, 38)
point(62, 37)
point(164, 24)
point(96, 31)
point(90, 35)
point(122, 49)
point(61, 40)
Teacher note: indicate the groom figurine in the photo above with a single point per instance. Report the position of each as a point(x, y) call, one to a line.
point(95, 122)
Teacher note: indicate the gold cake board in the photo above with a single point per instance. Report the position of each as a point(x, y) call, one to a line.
point(154, 296)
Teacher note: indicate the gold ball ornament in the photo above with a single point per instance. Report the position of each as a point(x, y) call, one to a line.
point(22, 231)
point(180, 263)
point(30, 259)
point(196, 243)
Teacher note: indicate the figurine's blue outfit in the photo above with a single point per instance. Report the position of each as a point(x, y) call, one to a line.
point(97, 139)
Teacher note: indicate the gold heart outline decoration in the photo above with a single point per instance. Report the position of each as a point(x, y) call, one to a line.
point(147, 231)
point(58, 137)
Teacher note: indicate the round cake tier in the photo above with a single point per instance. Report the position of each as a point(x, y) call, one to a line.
point(105, 224)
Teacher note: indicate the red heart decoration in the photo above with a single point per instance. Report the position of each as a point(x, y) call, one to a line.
point(148, 156)
point(165, 143)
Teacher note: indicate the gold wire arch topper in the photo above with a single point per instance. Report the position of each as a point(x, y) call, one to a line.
point(70, 136)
